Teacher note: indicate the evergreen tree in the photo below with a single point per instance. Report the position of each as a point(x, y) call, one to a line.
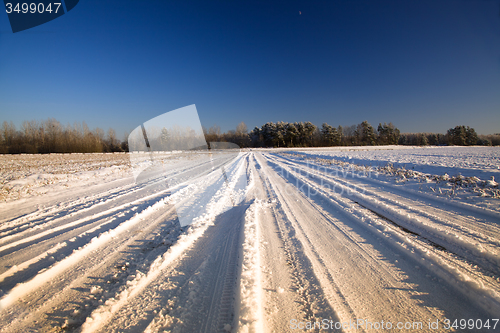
point(365, 135)
point(470, 136)
point(256, 137)
point(309, 130)
point(330, 135)
point(462, 136)
point(387, 134)
point(301, 133)
point(279, 136)
point(268, 131)
point(291, 134)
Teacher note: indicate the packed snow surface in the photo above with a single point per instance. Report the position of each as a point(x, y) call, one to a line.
point(350, 239)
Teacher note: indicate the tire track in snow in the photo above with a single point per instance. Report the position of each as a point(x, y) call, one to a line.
point(329, 253)
point(473, 222)
point(313, 295)
point(60, 241)
point(471, 246)
point(67, 243)
point(116, 311)
point(28, 287)
point(459, 276)
point(60, 267)
point(251, 316)
point(50, 217)
point(250, 312)
point(62, 301)
point(50, 233)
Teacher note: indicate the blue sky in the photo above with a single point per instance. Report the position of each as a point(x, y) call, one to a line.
point(424, 65)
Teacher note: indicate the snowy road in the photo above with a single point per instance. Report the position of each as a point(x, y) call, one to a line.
point(284, 243)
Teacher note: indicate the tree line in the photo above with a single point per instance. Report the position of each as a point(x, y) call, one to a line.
point(306, 134)
point(50, 136)
point(458, 136)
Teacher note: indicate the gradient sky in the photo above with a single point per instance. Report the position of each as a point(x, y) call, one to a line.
point(424, 65)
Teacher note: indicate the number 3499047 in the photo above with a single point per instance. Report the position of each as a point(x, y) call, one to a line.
point(32, 8)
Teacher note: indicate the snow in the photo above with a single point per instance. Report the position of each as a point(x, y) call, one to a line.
point(27, 175)
point(250, 286)
point(482, 162)
point(452, 172)
point(276, 238)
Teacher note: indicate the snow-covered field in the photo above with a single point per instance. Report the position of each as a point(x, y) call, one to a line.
point(482, 162)
point(351, 239)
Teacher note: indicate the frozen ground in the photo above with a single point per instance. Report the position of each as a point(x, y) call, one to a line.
point(466, 174)
point(283, 240)
point(25, 175)
point(482, 162)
